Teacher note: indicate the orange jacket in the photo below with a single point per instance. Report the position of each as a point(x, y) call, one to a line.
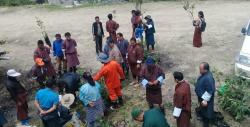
point(112, 73)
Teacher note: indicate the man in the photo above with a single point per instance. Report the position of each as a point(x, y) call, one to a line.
point(70, 82)
point(98, 34)
point(69, 46)
point(113, 74)
point(135, 57)
point(151, 118)
point(19, 95)
point(115, 53)
point(106, 48)
point(43, 53)
point(149, 32)
point(205, 90)
point(46, 101)
point(39, 72)
point(111, 27)
point(58, 53)
point(182, 101)
point(122, 44)
point(152, 77)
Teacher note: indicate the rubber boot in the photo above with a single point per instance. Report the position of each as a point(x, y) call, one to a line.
point(120, 101)
point(114, 105)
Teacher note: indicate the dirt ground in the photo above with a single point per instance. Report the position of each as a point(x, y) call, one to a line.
point(222, 39)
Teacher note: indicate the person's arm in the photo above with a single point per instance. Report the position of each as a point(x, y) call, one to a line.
point(99, 75)
point(144, 81)
point(54, 49)
point(53, 108)
point(93, 29)
point(38, 106)
point(139, 54)
point(102, 30)
point(178, 103)
point(206, 96)
point(120, 71)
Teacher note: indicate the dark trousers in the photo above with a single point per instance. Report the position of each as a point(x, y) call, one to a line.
point(55, 122)
point(153, 47)
point(205, 122)
point(98, 42)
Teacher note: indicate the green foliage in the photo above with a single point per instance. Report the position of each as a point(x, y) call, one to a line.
point(235, 97)
point(154, 55)
point(15, 2)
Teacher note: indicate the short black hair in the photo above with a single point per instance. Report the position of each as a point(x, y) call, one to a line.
point(133, 11)
point(178, 76)
point(133, 39)
point(201, 14)
point(58, 35)
point(67, 34)
point(50, 83)
point(206, 66)
point(97, 17)
point(40, 42)
point(120, 34)
point(110, 16)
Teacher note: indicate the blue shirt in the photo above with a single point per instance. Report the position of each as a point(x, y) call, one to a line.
point(138, 32)
point(57, 48)
point(47, 98)
point(89, 93)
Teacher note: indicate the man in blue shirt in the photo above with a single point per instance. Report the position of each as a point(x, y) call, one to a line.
point(46, 101)
point(205, 90)
point(58, 53)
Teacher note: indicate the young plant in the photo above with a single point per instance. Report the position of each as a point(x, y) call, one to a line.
point(41, 25)
point(189, 7)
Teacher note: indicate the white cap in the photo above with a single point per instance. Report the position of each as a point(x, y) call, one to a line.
point(13, 73)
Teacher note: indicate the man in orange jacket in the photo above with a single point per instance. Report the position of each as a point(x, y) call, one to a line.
point(113, 74)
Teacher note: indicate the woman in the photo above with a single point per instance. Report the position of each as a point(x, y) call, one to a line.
point(135, 57)
point(149, 32)
point(152, 77)
point(197, 40)
point(91, 98)
point(69, 46)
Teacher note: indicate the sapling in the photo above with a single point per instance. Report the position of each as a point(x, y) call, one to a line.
point(40, 24)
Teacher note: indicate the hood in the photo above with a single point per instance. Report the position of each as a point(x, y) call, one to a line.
point(246, 46)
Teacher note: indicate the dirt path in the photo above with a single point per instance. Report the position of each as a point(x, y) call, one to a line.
point(222, 39)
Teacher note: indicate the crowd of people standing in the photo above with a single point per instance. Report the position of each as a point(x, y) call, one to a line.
point(120, 57)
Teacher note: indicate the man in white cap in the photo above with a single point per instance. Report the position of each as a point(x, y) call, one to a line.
point(19, 95)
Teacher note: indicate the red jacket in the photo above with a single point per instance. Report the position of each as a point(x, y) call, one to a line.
point(112, 73)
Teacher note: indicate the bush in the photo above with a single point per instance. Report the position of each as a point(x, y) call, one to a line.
point(15, 2)
point(234, 97)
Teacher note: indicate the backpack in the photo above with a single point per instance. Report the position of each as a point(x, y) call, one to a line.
point(203, 25)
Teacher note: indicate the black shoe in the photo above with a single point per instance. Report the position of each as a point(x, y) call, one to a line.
point(114, 106)
point(120, 101)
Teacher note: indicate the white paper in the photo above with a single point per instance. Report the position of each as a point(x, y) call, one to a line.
point(177, 112)
point(139, 61)
point(206, 96)
point(150, 26)
point(160, 79)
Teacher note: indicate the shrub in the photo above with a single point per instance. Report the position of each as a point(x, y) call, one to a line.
point(234, 97)
point(15, 2)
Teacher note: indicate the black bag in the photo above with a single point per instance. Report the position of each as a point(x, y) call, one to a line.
point(203, 25)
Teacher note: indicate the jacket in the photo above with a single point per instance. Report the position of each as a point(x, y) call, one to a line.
point(95, 28)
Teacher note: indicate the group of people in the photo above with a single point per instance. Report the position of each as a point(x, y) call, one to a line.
point(119, 57)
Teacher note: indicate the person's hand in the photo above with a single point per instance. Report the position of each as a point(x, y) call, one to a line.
point(155, 82)
point(19, 103)
point(138, 66)
point(42, 113)
point(91, 104)
point(150, 83)
point(204, 103)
